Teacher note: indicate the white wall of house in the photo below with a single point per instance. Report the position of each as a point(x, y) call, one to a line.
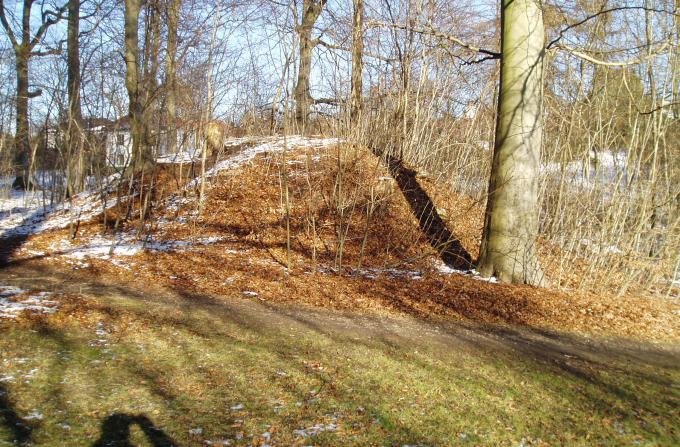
point(119, 146)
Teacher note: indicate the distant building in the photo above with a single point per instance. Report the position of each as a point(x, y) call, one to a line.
point(191, 137)
point(114, 138)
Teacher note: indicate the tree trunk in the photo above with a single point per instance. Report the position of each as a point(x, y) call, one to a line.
point(149, 82)
point(508, 249)
point(170, 76)
point(357, 60)
point(311, 9)
point(140, 155)
point(22, 53)
point(22, 139)
point(75, 162)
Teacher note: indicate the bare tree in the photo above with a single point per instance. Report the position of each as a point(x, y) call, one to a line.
point(132, 83)
point(357, 59)
point(75, 168)
point(311, 10)
point(24, 49)
point(173, 10)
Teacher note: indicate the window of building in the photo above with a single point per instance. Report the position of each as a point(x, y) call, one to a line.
point(120, 139)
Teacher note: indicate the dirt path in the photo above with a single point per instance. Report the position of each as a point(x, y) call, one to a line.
point(399, 331)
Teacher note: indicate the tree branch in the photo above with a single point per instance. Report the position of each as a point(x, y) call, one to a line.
point(596, 61)
point(435, 33)
point(49, 18)
point(332, 46)
point(5, 24)
point(597, 14)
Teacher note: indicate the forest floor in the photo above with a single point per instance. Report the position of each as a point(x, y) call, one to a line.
point(301, 302)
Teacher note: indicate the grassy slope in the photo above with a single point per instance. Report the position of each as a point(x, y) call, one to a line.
point(170, 364)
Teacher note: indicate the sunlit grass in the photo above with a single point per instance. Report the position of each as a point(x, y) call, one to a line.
point(211, 373)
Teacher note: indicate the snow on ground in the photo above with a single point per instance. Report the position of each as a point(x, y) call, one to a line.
point(603, 168)
point(29, 212)
point(14, 300)
point(193, 155)
point(278, 144)
point(106, 247)
point(316, 429)
point(446, 270)
point(25, 213)
point(188, 156)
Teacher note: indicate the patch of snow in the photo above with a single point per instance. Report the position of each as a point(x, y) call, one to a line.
point(101, 247)
point(187, 156)
point(223, 442)
point(316, 429)
point(237, 407)
point(34, 415)
point(176, 202)
point(106, 247)
point(278, 144)
point(603, 168)
point(176, 245)
point(447, 270)
point(119, 263)
point(29, 212)
point(11, 302)
point(10, 291)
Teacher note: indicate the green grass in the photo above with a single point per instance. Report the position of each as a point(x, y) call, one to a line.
point(183, 371)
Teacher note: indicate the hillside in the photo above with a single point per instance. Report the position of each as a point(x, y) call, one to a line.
point(355, 242)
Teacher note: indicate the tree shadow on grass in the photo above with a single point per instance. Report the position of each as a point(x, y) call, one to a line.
point(12, 239)
point(20, 429)
point(116, 431)
point(9, 246)
point(430, 222)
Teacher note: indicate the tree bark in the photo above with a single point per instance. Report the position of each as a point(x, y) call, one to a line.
point(357, 60)
point(508, 249)
point(140, 155)
point(170, 76)
point(22, 137)
point(75, 162)
point(311, 10)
